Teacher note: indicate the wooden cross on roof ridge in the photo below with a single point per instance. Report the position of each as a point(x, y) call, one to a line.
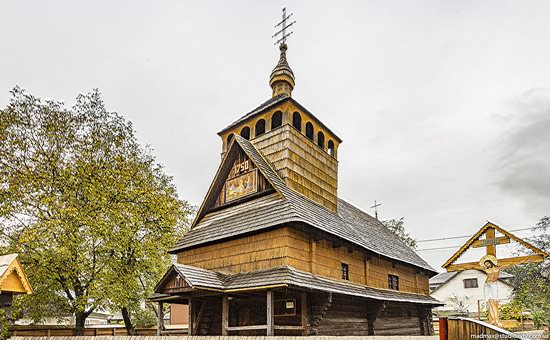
point(490, 242)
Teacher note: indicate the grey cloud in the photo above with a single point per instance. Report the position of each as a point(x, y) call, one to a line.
point(523, 164)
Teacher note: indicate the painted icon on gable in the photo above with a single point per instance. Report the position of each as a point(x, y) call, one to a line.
point(243, 185)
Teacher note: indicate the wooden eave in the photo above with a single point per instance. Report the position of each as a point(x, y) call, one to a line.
point(480, 232)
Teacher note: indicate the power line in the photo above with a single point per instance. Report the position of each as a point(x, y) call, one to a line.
point(456, 237)
point(452, 238)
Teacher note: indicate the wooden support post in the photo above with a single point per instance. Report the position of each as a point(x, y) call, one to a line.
point(225, 315)
point(270, 318)
point(190, 325)
point(491, 249)
point(160, 319)
point(303, 309)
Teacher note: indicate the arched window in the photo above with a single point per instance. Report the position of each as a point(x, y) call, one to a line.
point(276, 120)
point(330, 148)
point(297, 121)
point(230, 138)
point(260, 127)
point(245, 132)
point(321, 140)
point(309, 130)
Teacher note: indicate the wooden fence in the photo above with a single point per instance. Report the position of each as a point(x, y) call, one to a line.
point(458, 328)
point(196, 337)
point(67, 331)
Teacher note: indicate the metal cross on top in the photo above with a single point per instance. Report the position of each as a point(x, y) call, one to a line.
point(282, 31)
point(375, 207)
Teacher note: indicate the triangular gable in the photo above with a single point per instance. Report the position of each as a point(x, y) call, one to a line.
point(172, 281)
point(243, 155)
point(181, 278)
point(13, 278)
point(482, 232)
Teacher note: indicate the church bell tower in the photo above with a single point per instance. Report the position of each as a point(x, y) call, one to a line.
point(296, 143)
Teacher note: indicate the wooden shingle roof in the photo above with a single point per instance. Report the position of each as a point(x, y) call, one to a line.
point(286, 205)
point(286, 276)
point(274, 102)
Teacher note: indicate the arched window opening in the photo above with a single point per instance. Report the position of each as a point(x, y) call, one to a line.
point(230, 138)
point(245, 132)
point(309, 130)
point(330, 148)
point(321, 140)
point(276, 120)
point(260, 127)
point(297, 121)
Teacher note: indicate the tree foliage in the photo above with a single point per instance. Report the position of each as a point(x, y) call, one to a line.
point(89, 210)
point(531, 282)
point(397, 226)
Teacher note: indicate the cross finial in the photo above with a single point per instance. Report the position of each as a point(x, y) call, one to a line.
point(375, 207)
point(283, 27)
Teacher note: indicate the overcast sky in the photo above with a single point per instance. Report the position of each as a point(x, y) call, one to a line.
point(443, 106)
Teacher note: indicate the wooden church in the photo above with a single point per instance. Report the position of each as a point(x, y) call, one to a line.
point(274, 251)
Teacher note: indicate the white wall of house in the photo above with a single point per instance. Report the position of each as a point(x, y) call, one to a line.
point(469, 295)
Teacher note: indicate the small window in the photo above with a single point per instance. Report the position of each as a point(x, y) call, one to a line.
point(393, 282)
point(230, 138)
point(245, 132)
point(321, 140)
point(330, 148)
point(309, 130)
point(297, 121)
point(285, 307)
point(260, 127)
point(345, 271)
point(276, 120)
point(470, 283)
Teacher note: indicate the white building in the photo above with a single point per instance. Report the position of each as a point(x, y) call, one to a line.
point(462, 291)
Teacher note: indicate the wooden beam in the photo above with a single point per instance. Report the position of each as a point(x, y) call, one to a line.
point(303, 310)
point(269, 310)
point(507, 262)
point(289, 328)
point(491, 249)
point(225, 315)
point(247, 328)
point(491, 241)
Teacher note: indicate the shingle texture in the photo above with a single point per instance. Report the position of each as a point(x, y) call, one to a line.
point(287, 205)
point(287, 276)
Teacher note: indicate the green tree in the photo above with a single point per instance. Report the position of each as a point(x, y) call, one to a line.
point(531, 282)
point(397, 226)
point(89, 210)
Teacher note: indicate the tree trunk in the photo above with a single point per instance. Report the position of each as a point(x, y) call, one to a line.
point(80, 321)
point(127, 321)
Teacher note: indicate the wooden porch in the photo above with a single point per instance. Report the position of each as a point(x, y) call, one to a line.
point(245, 313)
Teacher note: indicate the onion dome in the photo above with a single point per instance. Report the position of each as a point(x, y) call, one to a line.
point(282, 77)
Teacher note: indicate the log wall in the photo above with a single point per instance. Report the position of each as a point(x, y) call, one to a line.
point(290, 246)
point(322, 258)
point(249, 253)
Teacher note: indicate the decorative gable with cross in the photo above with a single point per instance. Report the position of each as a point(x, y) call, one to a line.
point(490, 241)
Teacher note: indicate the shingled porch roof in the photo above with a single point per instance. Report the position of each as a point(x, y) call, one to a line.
point(283, 276)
